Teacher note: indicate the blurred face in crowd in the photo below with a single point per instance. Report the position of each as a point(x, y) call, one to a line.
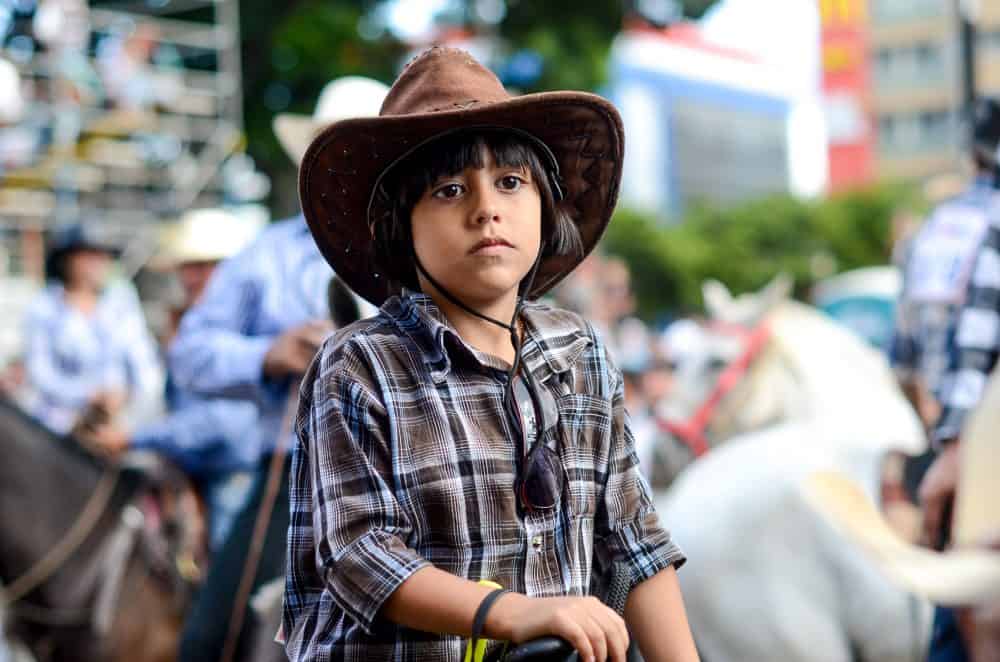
point(87, 269)
point(194, 276)
point(656, 383)
point(616, 288)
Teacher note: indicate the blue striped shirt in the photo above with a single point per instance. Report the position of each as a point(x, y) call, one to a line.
point(71, 356)
point(278, 282)
point(206, 437)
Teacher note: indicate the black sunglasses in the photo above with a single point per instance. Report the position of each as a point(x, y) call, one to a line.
point(542, 478)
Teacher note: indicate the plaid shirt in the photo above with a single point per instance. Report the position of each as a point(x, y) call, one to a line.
point(935, 277)
point(977, 337)
point(405, 460)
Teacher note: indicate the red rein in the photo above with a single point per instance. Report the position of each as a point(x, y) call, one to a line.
point(691, 432)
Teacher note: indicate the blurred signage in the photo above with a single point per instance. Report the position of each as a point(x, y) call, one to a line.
point(845, 88)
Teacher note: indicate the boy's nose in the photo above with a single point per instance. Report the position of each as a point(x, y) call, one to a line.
point(486, 209)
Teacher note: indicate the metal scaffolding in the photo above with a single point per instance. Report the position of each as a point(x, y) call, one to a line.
point(130, 125)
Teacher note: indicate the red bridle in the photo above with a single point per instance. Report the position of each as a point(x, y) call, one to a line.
point(691, 432)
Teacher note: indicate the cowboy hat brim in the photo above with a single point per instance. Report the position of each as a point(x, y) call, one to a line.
point(294, 133)
point(345, 162)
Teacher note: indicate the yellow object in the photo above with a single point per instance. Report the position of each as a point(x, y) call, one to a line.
point(480, 653)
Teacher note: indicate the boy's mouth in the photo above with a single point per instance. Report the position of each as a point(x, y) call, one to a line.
point(490, 245)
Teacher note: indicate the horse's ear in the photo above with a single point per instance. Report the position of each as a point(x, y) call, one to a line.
point(717, 299)
point(778, 290)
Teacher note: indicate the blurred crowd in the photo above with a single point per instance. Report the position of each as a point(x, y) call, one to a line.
point(601, 291)
point(131, 71)
point(93, 367)
point(91, 316)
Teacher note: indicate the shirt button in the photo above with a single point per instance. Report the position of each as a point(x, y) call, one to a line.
point(536, 543)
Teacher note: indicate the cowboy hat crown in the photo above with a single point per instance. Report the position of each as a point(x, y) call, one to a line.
point(578, 135)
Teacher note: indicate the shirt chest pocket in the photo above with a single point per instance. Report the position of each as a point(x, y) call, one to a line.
point(585, 429)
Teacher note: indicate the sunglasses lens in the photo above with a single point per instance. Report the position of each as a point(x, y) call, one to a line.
point(543, 479)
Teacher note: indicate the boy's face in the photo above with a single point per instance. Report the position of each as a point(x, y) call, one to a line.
point(478, 232)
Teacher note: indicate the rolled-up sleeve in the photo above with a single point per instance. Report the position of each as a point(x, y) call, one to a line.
point(360, 528)
point(628, 530)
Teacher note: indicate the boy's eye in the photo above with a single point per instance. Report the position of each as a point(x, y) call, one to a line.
point(511, 182)
point(448, 191)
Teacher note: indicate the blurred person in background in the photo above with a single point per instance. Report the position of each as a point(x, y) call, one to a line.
point(87, 346)
point(973, 356)
point(11, 98)
point(138, 71)
point(214, 440)
point(612, 312)
point(63, 27)
point(936, 271)
point(579, 291)
point(251, 337)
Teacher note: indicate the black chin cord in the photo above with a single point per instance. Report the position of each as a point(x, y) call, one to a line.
point(509, 401)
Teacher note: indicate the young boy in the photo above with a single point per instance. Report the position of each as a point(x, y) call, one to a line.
point(464, 434)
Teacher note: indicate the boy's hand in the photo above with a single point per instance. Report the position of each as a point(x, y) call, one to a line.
point(595, 631)
point(294, 349)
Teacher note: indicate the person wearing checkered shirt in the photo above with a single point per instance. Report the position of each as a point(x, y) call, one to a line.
point(468, 433)
point(936, 272)
point(972, 358)
point(977, 338)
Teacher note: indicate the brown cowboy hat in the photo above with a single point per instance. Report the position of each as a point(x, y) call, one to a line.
point(443, 90)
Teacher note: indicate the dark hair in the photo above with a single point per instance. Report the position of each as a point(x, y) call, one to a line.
point(403, 187)
point(341, 304)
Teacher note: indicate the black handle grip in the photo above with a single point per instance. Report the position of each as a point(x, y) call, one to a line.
point(545, 649)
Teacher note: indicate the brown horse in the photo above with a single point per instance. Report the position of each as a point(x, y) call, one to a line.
point(96, 558)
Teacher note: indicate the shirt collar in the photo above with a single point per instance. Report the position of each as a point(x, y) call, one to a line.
point(554, 339)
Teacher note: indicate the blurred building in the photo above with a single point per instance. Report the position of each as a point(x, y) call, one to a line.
point(917, 82)
point(846, 83)
point(702, 122)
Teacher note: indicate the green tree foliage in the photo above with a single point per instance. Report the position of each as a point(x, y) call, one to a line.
point(291, 49)
point(746, 245)
point(573, 38)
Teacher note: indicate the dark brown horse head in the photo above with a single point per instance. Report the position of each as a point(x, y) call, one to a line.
point(96, 555)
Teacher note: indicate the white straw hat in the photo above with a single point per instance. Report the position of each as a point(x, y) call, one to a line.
point(341, 99)
point(205, 235)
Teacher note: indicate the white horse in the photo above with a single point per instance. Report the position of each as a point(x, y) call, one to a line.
point(767, 578)
point(799, 366)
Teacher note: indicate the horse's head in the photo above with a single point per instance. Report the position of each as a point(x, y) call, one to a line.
point(745, 310)
point(720, 369)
